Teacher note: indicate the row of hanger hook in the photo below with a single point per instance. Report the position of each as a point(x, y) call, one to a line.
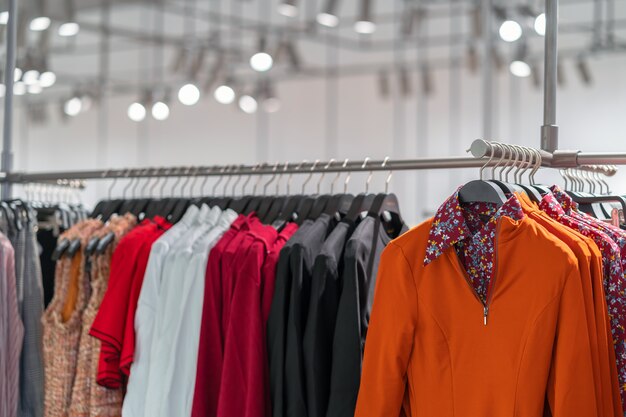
point(60, 191)
point(192, 174)
point(576, 179)
point(512, 156)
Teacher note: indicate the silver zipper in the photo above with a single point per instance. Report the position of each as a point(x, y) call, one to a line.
point(492, 284)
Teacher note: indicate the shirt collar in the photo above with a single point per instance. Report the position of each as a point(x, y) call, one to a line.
point(551, 206)
point(450, 225)
point(190, 215)
point(564, 199)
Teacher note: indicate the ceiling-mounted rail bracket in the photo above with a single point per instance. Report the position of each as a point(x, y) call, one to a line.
point(564, 159)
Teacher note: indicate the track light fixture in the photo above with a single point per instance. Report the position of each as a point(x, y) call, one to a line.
point(73, 106)
point(262, 61)
point(519, 67)
point(582, 65)
point(189, 94)
point(248, 104)
point(411, 19)
point(404, 79)
point(328, 16)
point(288, 8)
point(69, 27)
point(540, 24)
point(269, 100)
point(427, 81)
point(365, 24)
point(383, 84)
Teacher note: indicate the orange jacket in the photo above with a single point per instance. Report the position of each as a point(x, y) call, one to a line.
point(427, 333)
point(590, 267)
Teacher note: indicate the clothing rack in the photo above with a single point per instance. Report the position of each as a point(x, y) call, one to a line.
point(551, 156)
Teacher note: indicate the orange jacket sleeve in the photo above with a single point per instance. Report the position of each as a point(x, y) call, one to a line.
point(570, 388)
point(389, 339)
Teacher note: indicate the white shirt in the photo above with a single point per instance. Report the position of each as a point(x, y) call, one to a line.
point(135, 398)
point(183, 365)
point(168, 314)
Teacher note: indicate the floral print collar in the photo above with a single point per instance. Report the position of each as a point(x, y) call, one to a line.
point(453, 223)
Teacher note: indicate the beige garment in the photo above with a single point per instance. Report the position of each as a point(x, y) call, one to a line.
point(61, 337)
point(88, 398)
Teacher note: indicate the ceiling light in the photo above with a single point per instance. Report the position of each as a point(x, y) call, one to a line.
point(510, 31)
point(19, 88)
point(73, 106)
point(136, 112)
point(365, 25)
point(47, 79)
point(4, 18)
point(160, 110)
point(327, 19)
point(17, 74)
point(224, 94)
point(288, 8)
point(328, 16)
point(30, 77)
point(540, 24)
point(189, 94)
point(520, 69)
point(35, 89)
point(69, 29)
point(248, 104)
point(39, 24)
point(261, 61)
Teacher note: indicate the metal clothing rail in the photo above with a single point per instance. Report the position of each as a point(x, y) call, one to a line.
point(484, 153)
point(319, 167)
point(551, 156)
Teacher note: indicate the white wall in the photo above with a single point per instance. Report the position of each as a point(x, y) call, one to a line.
point(590, 118)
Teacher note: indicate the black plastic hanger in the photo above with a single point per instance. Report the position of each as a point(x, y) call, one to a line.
point(104, 243)
point(303, 209)
point(179, 210)
point(387, 207)
point(482, 191)
point(275, 209)
point(239, 204)
point(319, 206)
point(289, 212)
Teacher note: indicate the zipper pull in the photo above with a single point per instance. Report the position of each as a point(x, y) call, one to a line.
point(485, 314)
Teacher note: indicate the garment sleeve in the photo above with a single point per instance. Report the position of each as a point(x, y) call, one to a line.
point(389, 339)
point(570, 388)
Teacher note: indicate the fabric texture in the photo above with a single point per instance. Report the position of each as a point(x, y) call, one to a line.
point(61, 338)
point(473, 239)
point(426, 321)
point(211, 343)
point(242, 391)
point(11, 332)
point(88, 398)
point(361, 259)
point(149, 298)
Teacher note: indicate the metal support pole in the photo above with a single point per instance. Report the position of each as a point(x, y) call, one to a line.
point(487, 68)
point(9, 73)
point(549, 130)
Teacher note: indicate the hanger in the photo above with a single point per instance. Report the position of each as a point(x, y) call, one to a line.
point(266, 200)
point(482, 191)
point(128, 203)
point(288, 212)
point(363, 201)
point(532, 193)
point(182, 203)
point(306, 204)
point(111, 206)
point(322, 200)
point(339, 204)
point(278, 202)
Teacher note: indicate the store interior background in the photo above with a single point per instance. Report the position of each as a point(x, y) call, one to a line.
point(334, 106)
